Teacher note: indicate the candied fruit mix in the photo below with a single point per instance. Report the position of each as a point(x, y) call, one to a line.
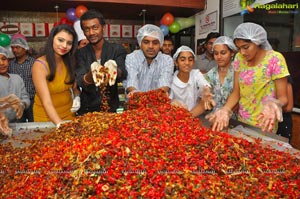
point(152, 150)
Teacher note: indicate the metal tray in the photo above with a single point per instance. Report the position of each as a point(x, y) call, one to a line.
point(22, 132)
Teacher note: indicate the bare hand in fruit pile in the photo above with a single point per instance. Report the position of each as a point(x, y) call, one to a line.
point(208, 98)
point(4, 129)
point(272, 111)
point(58, 125)
point(106, 74)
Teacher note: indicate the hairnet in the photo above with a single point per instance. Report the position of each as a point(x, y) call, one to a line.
point(227, 41)
point(3, 51)
point(253, 32)
point(10, 52)
point(19, 42)
point(150, 31)
point(182, 49)
point(78, 30)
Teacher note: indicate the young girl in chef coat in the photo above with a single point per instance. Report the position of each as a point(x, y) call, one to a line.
point(188, 83)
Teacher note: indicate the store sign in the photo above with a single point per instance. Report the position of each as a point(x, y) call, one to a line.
point(10, 29)
point(208, 22)
point(232, 7)
point(277, 8)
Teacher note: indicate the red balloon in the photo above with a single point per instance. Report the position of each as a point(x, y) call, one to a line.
point(56, 23)
point(80, 10)
point(65, 20)
point(167, 19)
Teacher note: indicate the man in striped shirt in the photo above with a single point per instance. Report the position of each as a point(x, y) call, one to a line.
point(148, 68)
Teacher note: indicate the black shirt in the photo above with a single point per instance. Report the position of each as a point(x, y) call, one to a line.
point(90, 94)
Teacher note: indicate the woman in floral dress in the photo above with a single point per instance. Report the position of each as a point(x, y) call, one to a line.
point(221, 77)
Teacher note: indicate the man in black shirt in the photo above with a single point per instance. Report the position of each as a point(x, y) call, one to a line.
point(93, 24)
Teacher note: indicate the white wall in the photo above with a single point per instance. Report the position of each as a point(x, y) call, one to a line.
point(230, 23)
point(209, 19)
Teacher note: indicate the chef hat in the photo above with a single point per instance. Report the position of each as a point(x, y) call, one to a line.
point(79, 31)
point(3, 51)
point(227, 41)
point(150, 31)
point(19, 42)
point(253, 32)
point(182, 49)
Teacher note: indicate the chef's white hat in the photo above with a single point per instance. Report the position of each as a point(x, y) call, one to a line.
point(254, 32)
point(19, 42)
point(79, 31)
point(150, 31)
point(3, 51)
point(182, 49)
point(227, 41)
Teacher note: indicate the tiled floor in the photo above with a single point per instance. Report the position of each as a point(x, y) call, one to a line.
point(296, 131)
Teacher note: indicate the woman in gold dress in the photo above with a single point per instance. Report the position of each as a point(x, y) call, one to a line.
point(53, 76)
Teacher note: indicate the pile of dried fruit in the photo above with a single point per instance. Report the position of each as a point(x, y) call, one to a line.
point(154, 151)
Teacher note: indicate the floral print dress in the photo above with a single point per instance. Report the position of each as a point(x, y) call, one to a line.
point(221, 91)
point(257, 83)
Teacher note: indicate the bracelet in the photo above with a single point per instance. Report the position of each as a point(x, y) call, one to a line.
point(85, 80)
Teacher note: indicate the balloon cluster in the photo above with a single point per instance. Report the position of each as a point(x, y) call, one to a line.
point(72, 15)
point(169, 23)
